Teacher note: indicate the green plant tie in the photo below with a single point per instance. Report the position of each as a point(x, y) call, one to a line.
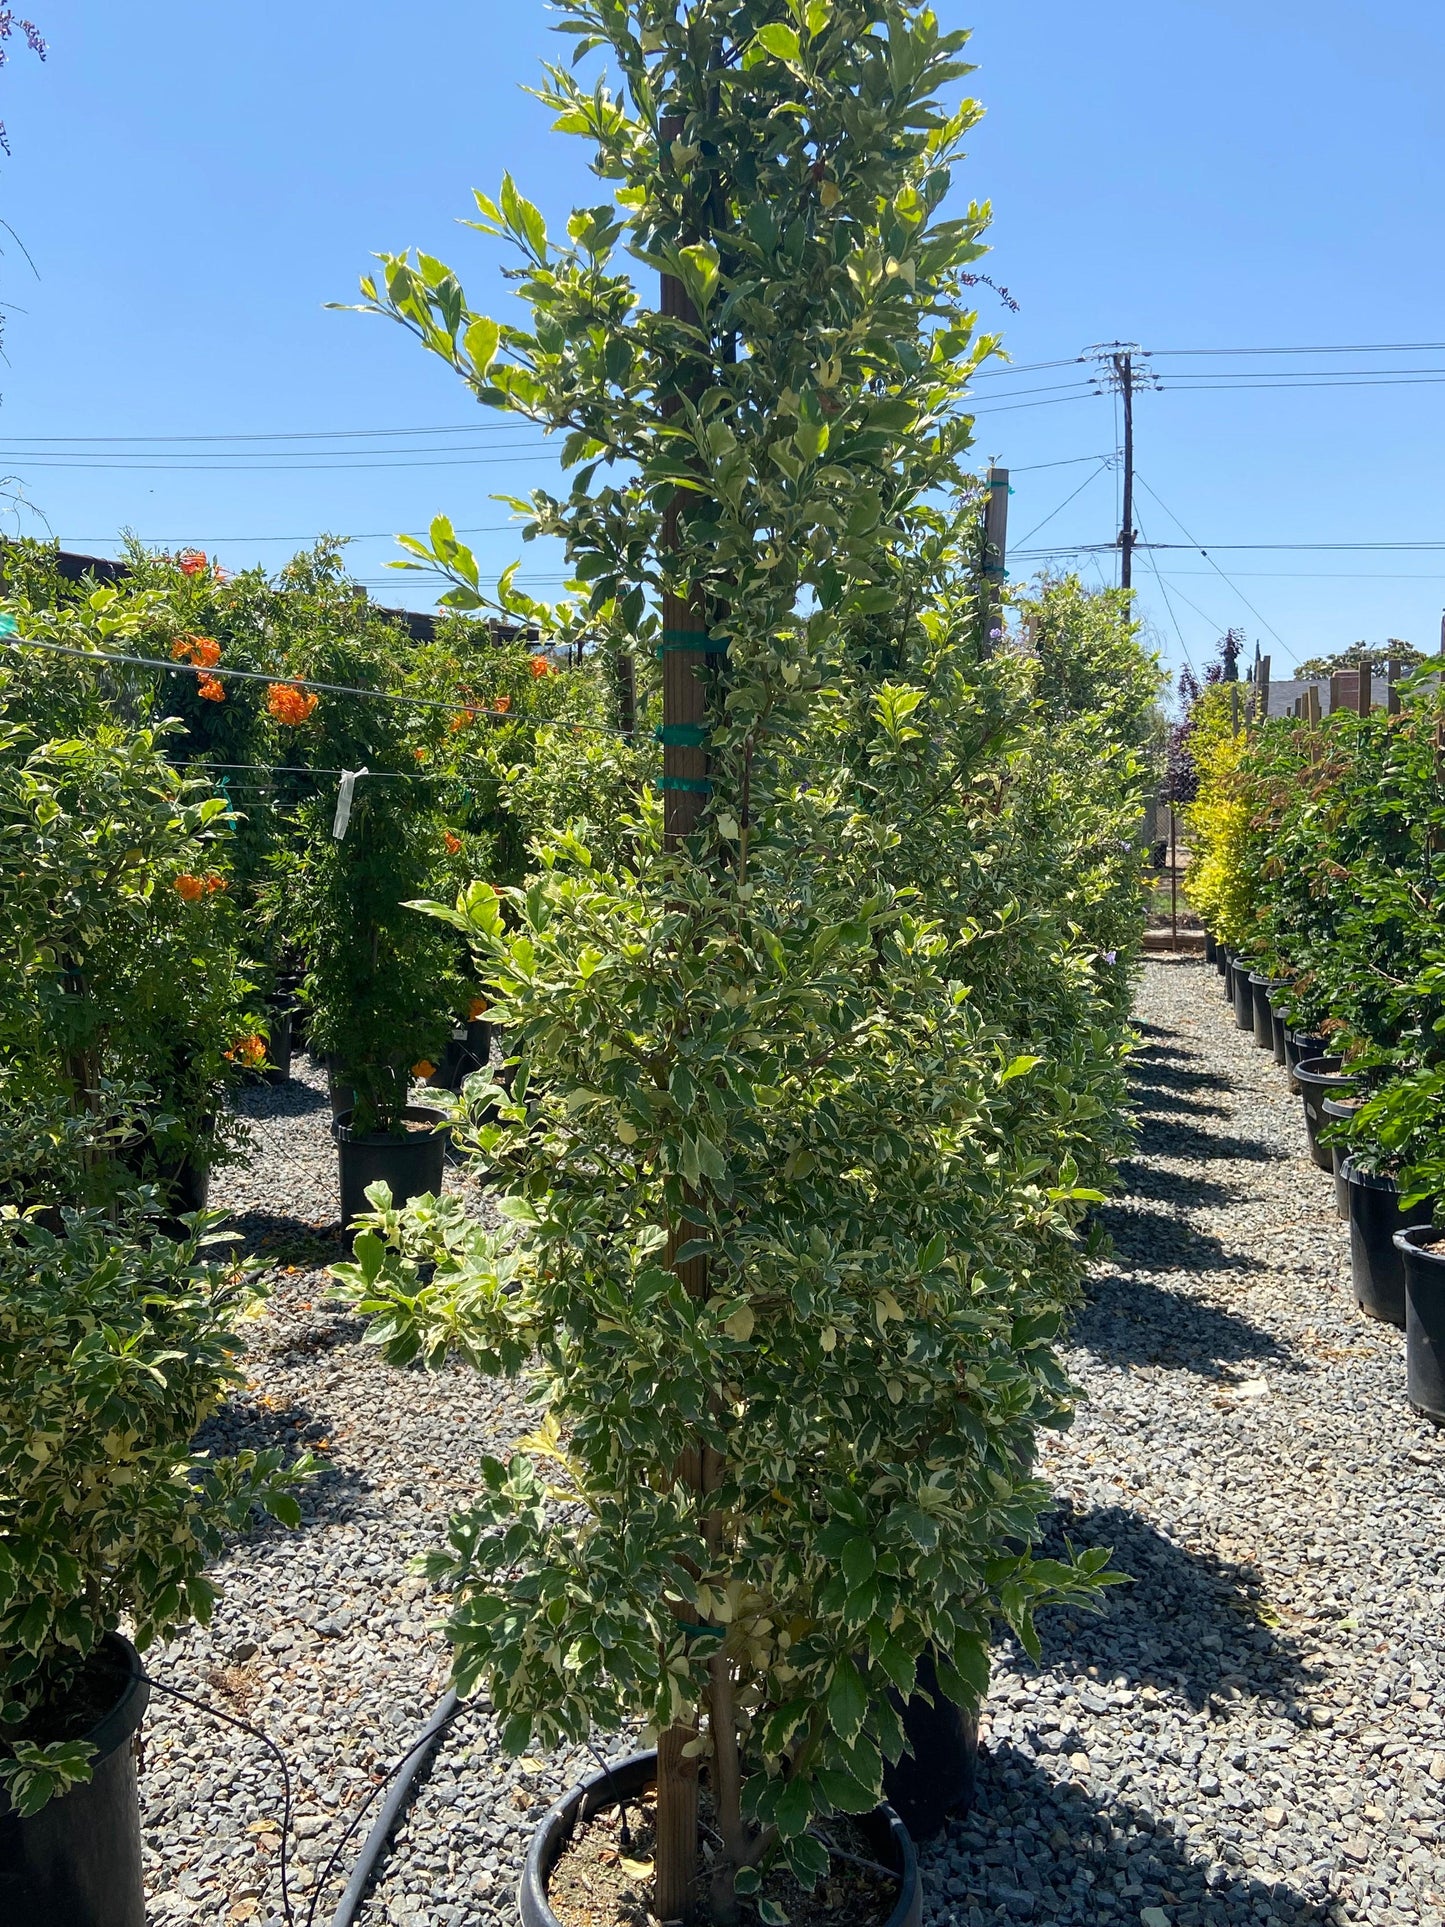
point(697, 640)
point(682, 735)
point(694, 785)
point(7, 625)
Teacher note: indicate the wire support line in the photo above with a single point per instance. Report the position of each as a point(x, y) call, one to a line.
point(1184, 646)
point(1069, 461)
point(367, 535)
point(1103, 467)
point(280, 435)
point(278, 468)
point(1213, 564)
point(1282, 385)
point(219, 672)
point(1355, 348)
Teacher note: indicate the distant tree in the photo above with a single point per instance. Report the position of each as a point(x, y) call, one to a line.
point(1362, 655)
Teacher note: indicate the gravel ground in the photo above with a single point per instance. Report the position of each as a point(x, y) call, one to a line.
point(1250, 1733)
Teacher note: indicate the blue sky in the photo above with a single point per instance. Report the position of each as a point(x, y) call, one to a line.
point(195, 183)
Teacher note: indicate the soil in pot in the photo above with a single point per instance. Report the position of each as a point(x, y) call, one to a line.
point(590, 1864)
point(1335, 1110)
point(1422, 1253)
point(1376, 1268)
point(1319, 1078)
point(410, 1160)
point(77, 1863)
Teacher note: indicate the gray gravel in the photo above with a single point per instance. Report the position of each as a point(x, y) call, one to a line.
point(1250, 1733)
point(323, 1638)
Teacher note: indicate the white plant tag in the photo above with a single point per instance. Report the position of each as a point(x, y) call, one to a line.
point(344, 794)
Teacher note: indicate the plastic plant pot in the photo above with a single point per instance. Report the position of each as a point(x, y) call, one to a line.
point(1376, 1268)
point(1211, 948)
point(410, 1160)
point(77, 1862)
point(628, 1780)
point(1424, 1260)
point(1298, 1044)
point(1243, 997)
point(1319, 1078)
point(1260, 987)
point(1335, 1110)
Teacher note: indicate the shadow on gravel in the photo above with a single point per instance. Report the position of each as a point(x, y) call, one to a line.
point(1158, 1240)
point(1147, 1075)
point(1189, 1623)
point(1159, 1106)
point(282, 1240)
point(246, 1425)
point(1161, 1138)
point(1039, 1847)
point(279, 1100)
point(1128, 1321)
point(1138, 1180)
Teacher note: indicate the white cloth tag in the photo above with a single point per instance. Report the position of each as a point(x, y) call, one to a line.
point(344, 794)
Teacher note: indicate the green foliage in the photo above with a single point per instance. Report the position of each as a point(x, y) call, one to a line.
point(121, 994)
point(1337, 859)
point(112, 1352)
point(807, 1105)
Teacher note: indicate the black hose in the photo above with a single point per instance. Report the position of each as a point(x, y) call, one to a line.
point(375, 1844)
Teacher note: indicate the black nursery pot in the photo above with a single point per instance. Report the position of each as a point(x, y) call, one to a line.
point(77, 1863)
point(410, 1161)
point(280, 1045)
point(1424, 1263)
point(1243, 996)
point(1376, 1268)
point(1260, 987)
point(1335, 1110)
point(1300, 1044)
point(1319, 1078)
point(938, 1782)
point(1221, 958)
point(1211, 948)
point(628, 1780)
point(1277, 1030)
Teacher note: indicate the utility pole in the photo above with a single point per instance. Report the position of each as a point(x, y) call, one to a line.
point(1126, 369)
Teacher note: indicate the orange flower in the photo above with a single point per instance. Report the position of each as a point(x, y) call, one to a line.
point(193, 562)
point(210, 690)
point(462, 721)
point(419, 754)
point(288, 704)
point(248, 1050)
point(453, 842)
point(475, 1009)
point(214, 883)
point(503, 704)
point(200, 650)
point(541, 667)
point(188, 888)
point(424, 1069)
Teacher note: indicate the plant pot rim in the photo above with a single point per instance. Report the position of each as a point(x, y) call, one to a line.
point(1374, 1180)
point(413, 1113)
point(631, 1775)
point(1424, 1241)
point(1337, 1079)
point(114, 1728)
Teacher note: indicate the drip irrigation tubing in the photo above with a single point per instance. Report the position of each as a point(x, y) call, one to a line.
point(401, 1778)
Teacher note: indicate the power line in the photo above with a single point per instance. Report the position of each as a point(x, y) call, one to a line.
point(371, 535)
point(1357, 348)
point(281, 435)
point(158, 466)
point(1104, 462)
point(1213, 564)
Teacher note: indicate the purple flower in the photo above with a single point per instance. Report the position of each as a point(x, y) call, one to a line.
point(1111, 956)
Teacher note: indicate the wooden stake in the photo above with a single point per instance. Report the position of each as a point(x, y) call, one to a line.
point(1363, 696)
point(675, 1853)
point(1392, 694)
point(626, 693)
point(1262, 684)
point(995, 548)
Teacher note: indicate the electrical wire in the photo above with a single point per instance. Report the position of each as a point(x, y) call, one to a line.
point(282, 435)
point(219, 671)
point(161, 467)
point(1184, 647)
point(1210, 559)
point(1100, 470)
point(370, 535)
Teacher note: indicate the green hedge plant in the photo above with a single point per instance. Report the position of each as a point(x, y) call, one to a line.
point(113, 1350)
